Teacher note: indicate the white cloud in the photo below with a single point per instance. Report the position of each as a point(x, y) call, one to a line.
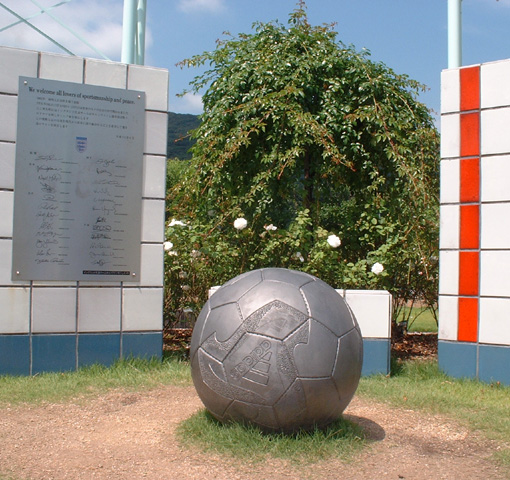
point(189, 6)
point(99, 22)
point(189, 103)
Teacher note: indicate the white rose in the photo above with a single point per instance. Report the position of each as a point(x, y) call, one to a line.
point(377, 268)
point(175, 222)
point(334, 241)
point(240, 223)
point(270, 227)
point(168, 246)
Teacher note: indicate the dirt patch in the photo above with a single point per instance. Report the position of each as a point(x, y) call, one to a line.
point(414, 345)
point(124, 435)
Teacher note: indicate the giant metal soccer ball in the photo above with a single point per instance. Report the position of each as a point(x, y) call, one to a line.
point(276, 348)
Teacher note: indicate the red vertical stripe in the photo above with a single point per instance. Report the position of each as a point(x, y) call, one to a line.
point(469, 261)
point(468, 273)
point(468, 320)
point(469, 134)
point(469, 226)
point(469, 180)
point(469, 88)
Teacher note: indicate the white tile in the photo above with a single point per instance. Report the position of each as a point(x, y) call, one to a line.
point(106, 74)
point(153, 220)
point(448, 272)
point(450, 181)
point(495, 84)
point(154, 176)
point(448, 317)
point(450, 136)
point(450, 91)
point(495, 178)
point(7, 162)
point(15, 308)
point(156, 125)
point(372, 309)
point(53, 310)
point(6, 218)
point(494, 131)
point(495, 321)
point(494, 282)
point(151, 274)
point(8, 123)
point(99, 309)
point(495, 228)
point(15, 63)
point(449, 226)
point(65, 68)
point(142, 309)
point(5, 262)
point(152, 81)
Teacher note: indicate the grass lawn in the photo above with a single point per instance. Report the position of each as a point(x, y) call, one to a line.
point(420, 385)
point(414, 384)
point(420, 319)
point(134, 374)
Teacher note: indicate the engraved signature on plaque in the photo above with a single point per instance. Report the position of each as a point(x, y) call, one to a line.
point(78, 182)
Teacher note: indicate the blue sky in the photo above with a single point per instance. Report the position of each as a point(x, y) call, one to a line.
point(410, 36)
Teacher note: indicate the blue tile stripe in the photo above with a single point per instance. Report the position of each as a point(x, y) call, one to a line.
point(488, 363)
point(376, 356)
point(494, 361)
point(14, 355)
point(28, 354)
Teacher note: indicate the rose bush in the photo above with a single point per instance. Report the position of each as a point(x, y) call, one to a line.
point(309, 156)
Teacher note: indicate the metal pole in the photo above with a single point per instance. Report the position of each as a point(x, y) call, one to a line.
point(140, 32)
point(129, 31)
point(34, 15)
point(454, 33)
point(61, 23)
point(19, 17)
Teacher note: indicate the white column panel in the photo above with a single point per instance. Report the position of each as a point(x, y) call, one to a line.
point(450, 91)
point(495, 321)
point(450, 136)
point(449, 272)
point(448, 317)
point(449, 226)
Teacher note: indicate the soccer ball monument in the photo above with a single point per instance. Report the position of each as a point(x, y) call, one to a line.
point(276, 348)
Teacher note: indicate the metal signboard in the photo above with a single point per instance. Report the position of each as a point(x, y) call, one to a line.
point(78, 182)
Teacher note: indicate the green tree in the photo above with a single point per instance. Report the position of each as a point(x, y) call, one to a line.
point(304, 133)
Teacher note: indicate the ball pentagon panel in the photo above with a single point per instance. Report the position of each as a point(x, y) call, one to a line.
point(266, 351)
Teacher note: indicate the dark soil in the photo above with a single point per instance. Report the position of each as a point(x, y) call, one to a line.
point(414, 345)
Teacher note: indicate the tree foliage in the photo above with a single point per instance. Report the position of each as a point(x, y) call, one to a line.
point(305, 133)
point(178, 139)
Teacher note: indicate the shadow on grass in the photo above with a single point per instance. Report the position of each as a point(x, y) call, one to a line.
point(343, 439)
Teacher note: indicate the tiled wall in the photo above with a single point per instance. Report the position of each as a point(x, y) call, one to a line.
point(53, 326)
point(372, 309)
point(474, 287)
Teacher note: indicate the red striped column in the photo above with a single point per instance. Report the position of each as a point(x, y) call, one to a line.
point(469, 235)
